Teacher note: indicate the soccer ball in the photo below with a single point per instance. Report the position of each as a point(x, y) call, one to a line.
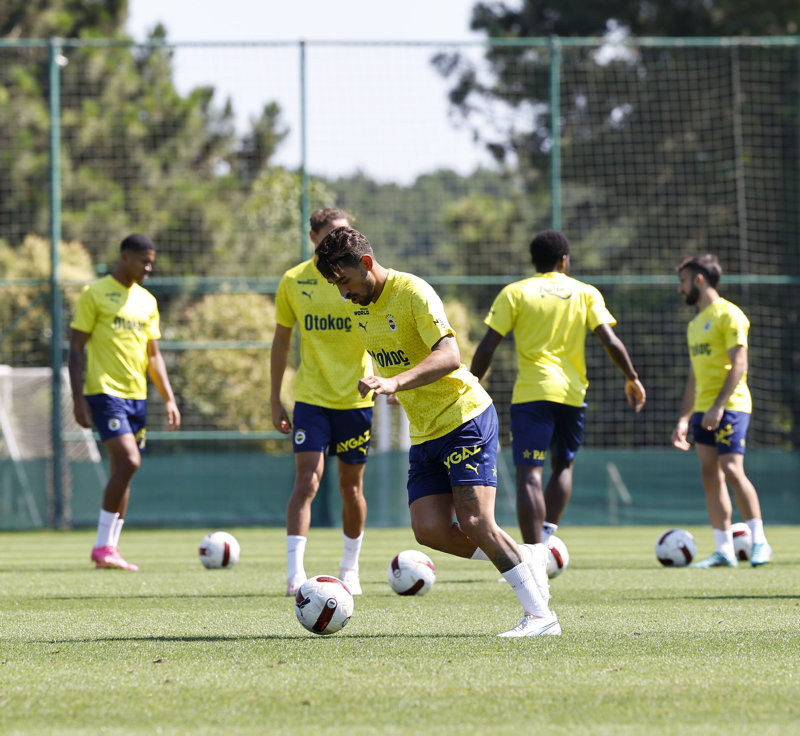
point(742, 540)
point(676, 548)
point(323, 604)
point(219, 550)
point(411, 573)
point(557, 556)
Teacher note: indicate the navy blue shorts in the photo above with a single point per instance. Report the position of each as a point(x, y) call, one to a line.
point(467, 456)
point(345, 433)
point(729, 437)
point(114, 416)
point(539, 426)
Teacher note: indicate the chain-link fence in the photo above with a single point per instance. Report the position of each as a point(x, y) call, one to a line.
point(641, 152)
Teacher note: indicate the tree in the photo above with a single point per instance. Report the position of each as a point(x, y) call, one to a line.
point(135, 154)
point(24, 307)
point(613, 102)
point(663, 149)
point(220, 389)
point(667, 18)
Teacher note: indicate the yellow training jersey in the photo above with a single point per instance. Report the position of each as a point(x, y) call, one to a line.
point(398, 331)
point(332, 358)
point(120, 320)
point(711, 334)
point(549, 314)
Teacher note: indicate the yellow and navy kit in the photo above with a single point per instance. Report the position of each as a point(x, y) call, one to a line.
point(549, 314)
point(398, 331)
point(711, 334)
point(120, 321)
point(332, 358)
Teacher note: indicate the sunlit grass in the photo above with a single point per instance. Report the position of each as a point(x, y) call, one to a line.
point(176, 648)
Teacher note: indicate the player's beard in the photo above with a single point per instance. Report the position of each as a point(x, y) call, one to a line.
point(693, 295)
point(364, 300)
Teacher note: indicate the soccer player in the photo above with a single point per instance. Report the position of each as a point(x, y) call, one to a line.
point(716, 407)
point(549, 314)
point(117, 320)
point(453, 423)
point(329, 413)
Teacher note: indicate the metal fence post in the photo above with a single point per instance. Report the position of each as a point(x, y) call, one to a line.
point(56, 59)
point(555, 131)
point(305, 194)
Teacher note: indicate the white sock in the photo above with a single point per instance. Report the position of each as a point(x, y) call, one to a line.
point(539, 571)
point(757, 531)
point(548, 530)
point(105, 528)
point(479, 554)
point(117, 530)
point(723, 538)
point(295, 554)
point(352, 549)
point(521, 581)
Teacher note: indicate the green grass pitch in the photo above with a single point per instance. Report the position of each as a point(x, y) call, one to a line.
point(179, 649)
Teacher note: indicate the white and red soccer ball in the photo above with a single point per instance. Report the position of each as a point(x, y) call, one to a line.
point(411, 572)
point(742, 541)
point(219, 550)
point(557, 556)
point(323, 604)
point(676, 548)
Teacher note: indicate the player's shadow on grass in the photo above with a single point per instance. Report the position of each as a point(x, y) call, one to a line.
point(731, 597)
point(153, 596)
point(167, 596)
point(252, 637)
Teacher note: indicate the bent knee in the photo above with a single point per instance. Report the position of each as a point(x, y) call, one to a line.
point(427, 535)
point(469, 522)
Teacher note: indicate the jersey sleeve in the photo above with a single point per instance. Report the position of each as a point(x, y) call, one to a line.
point(85, 313)
point(597, 313)
point(153, 329)
point(735, 327)
point(501, 314)
point(430, 317)
point(284, 314)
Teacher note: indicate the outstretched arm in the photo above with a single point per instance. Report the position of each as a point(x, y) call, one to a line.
point(484, 353)
point(157, 370)
point(615, 348)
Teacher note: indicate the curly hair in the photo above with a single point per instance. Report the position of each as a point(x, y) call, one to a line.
point(547, 249)
point(341, 248)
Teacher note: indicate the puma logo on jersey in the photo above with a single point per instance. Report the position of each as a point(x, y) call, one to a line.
point(305, 293)
point(472, 467)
